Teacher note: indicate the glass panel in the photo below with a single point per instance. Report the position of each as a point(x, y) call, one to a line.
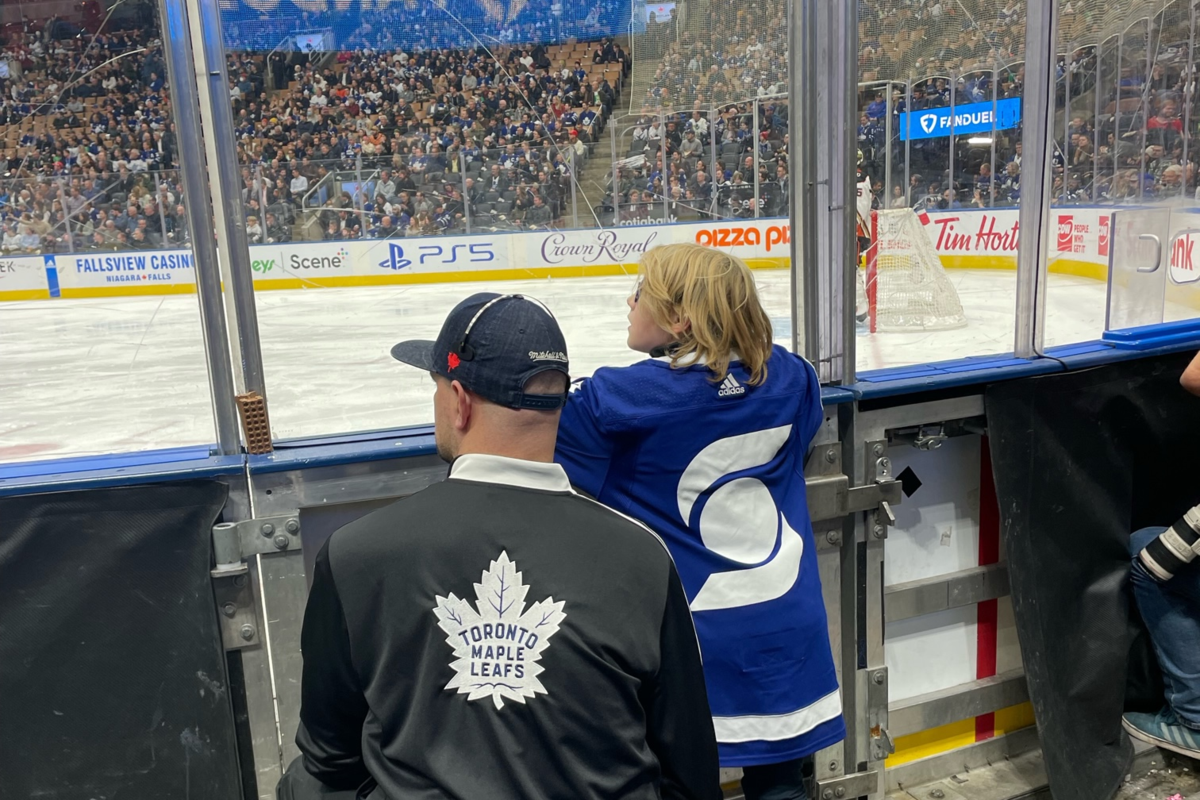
point(404, 158)
point(1125, 125)
point(939, 126)
point(100, 342)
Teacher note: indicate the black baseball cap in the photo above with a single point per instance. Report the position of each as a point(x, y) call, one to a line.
point(493, 344)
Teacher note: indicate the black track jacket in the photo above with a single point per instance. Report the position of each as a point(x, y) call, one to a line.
point(498, 635)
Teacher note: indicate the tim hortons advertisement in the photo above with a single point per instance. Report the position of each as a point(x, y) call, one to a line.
point(970, 237)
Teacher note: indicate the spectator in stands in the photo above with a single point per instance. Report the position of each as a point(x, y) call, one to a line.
point(276, 231)
point(254, 231)
point(12, 239)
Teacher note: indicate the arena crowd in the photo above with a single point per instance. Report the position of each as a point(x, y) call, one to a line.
point(445, 131)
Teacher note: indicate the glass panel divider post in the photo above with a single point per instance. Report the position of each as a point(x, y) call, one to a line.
point(754, 123)
point(1066, 149)
point(889, 111)
point(224, 171)
point(951, 183)
point(1189, 80)
point(181, 65)
point(1098, 94)
point(573, 180)
point(462, 172)
point(666, 164)
point(909, 200)
point(615, 171)
point(713, 179)
point(995, 133)
point(1036, 140)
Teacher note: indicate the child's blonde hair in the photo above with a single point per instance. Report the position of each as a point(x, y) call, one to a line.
point(715, 294)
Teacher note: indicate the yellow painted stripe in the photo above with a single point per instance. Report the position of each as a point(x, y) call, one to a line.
point(25, 294)
point(936, 741)
point(530, 273)
point(134, 290)
point(932, 742)
point(1014, 718)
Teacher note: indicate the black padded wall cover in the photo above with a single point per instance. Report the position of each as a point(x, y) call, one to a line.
point(1082, 460)
point(112, 677)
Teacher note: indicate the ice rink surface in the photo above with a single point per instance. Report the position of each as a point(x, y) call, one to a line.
point(81, 377)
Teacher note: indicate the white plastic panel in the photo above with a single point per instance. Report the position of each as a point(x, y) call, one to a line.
point(937, 529)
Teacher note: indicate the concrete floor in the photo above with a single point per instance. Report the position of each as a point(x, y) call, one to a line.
point(1154, 776)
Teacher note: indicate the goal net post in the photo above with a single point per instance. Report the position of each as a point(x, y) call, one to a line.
point(907, 286)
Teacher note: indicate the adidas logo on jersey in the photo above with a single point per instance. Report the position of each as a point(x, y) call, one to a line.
point(730, 387)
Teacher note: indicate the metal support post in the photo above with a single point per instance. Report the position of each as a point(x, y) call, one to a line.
point(212, 82)
point(616, 181)
point(162, 218)
point(887, 156)
point(802, 140)
point(953, 141)
point(666, 165)
point(1190, 86)
point(1117, 109)
point(573, 175)
point(62, 201)
point(843, 190)
point(359, 203)
point(1036, 163)
point(754, 123)
point(909, 200)
point(462, 170)
point(1096, 123)
point(261, 182)
point(1066, 149)
point(712, 173)
point(177, 47)
point(1146, 104)
point(995, 133)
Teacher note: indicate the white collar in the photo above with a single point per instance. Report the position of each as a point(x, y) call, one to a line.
point(698, 359)
point(485, 468)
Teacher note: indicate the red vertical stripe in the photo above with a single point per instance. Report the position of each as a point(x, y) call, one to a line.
point(989, 553)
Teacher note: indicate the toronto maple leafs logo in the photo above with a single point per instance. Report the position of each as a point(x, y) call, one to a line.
point(497, 647)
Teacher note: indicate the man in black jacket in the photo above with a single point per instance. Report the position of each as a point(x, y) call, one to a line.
point(498, 635)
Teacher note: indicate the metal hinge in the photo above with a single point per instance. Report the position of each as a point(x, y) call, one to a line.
point(233, 542)
point(879, 473)
point(880, 740)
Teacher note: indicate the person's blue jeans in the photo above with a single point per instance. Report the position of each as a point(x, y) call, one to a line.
point(782, 781)
point(1171, 612)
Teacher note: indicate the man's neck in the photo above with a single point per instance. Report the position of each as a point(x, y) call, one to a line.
point(526, 447)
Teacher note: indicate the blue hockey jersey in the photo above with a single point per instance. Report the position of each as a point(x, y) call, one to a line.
point(717, 470)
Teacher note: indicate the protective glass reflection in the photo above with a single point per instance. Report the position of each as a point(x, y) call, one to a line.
point(938, 183)
point(400, 152)
point(100, 342)
point(1124, 172)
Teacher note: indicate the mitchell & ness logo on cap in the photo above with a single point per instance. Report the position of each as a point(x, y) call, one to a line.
point(547, 355)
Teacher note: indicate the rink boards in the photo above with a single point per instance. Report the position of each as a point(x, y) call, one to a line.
point(964, 239)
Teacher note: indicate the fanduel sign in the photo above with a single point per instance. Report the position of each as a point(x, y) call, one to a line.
point(931, 123)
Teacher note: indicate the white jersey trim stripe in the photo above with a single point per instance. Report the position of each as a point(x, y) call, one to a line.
point(779, 727)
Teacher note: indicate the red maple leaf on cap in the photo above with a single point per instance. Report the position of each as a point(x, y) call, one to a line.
point(452, 360)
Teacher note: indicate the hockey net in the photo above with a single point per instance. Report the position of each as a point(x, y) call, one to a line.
point(907, 286)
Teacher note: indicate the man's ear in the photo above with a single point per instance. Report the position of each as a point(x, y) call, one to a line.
point(463, 406)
